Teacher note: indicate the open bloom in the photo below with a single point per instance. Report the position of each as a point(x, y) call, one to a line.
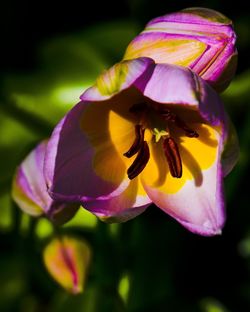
point(144, 133)
point(202, 39)
point(30, 191)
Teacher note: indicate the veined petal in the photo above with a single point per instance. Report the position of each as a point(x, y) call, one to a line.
point(196, 199)
point(166, 48)
point(119, 77)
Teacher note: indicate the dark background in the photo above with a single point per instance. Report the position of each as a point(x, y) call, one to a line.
point(169, 268)
point(25, 23)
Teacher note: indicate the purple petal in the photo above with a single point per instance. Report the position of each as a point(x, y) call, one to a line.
point(119, 77)
point(29, 188)
point(176, 85)
point(120, 208)
point(74, 152)
point(68, 162)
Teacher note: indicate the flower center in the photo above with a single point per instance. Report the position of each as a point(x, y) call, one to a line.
point(161, 116)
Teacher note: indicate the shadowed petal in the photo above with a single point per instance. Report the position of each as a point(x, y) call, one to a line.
point(84, 158)
point(69, 168)
point(130, 203)
point(193, 92)
point(231, 150)
point(85, 161)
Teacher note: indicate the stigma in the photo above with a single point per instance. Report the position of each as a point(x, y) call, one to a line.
point(164, 117)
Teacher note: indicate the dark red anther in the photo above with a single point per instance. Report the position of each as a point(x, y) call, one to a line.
point(172, 154)
point(140, 161)
point(137, 144)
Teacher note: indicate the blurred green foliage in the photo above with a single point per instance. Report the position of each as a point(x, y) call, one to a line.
point(147, 264)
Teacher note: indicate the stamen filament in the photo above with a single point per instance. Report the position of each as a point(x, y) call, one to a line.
point(169, 116)
point(172, 154)
point(137, 144)
point(140, 161)
point(188, 131)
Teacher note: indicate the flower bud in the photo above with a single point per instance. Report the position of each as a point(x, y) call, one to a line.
point(29, 189)
point(67, 260)
point(199, 38)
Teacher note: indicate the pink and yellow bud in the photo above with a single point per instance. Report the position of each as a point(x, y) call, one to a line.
point(198, 38)
point(29, 189)
point(67, 260)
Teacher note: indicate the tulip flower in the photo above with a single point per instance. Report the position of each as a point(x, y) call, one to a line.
point(67, 260)
point(29, 189)
point(198, 38)
point(144, 133)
